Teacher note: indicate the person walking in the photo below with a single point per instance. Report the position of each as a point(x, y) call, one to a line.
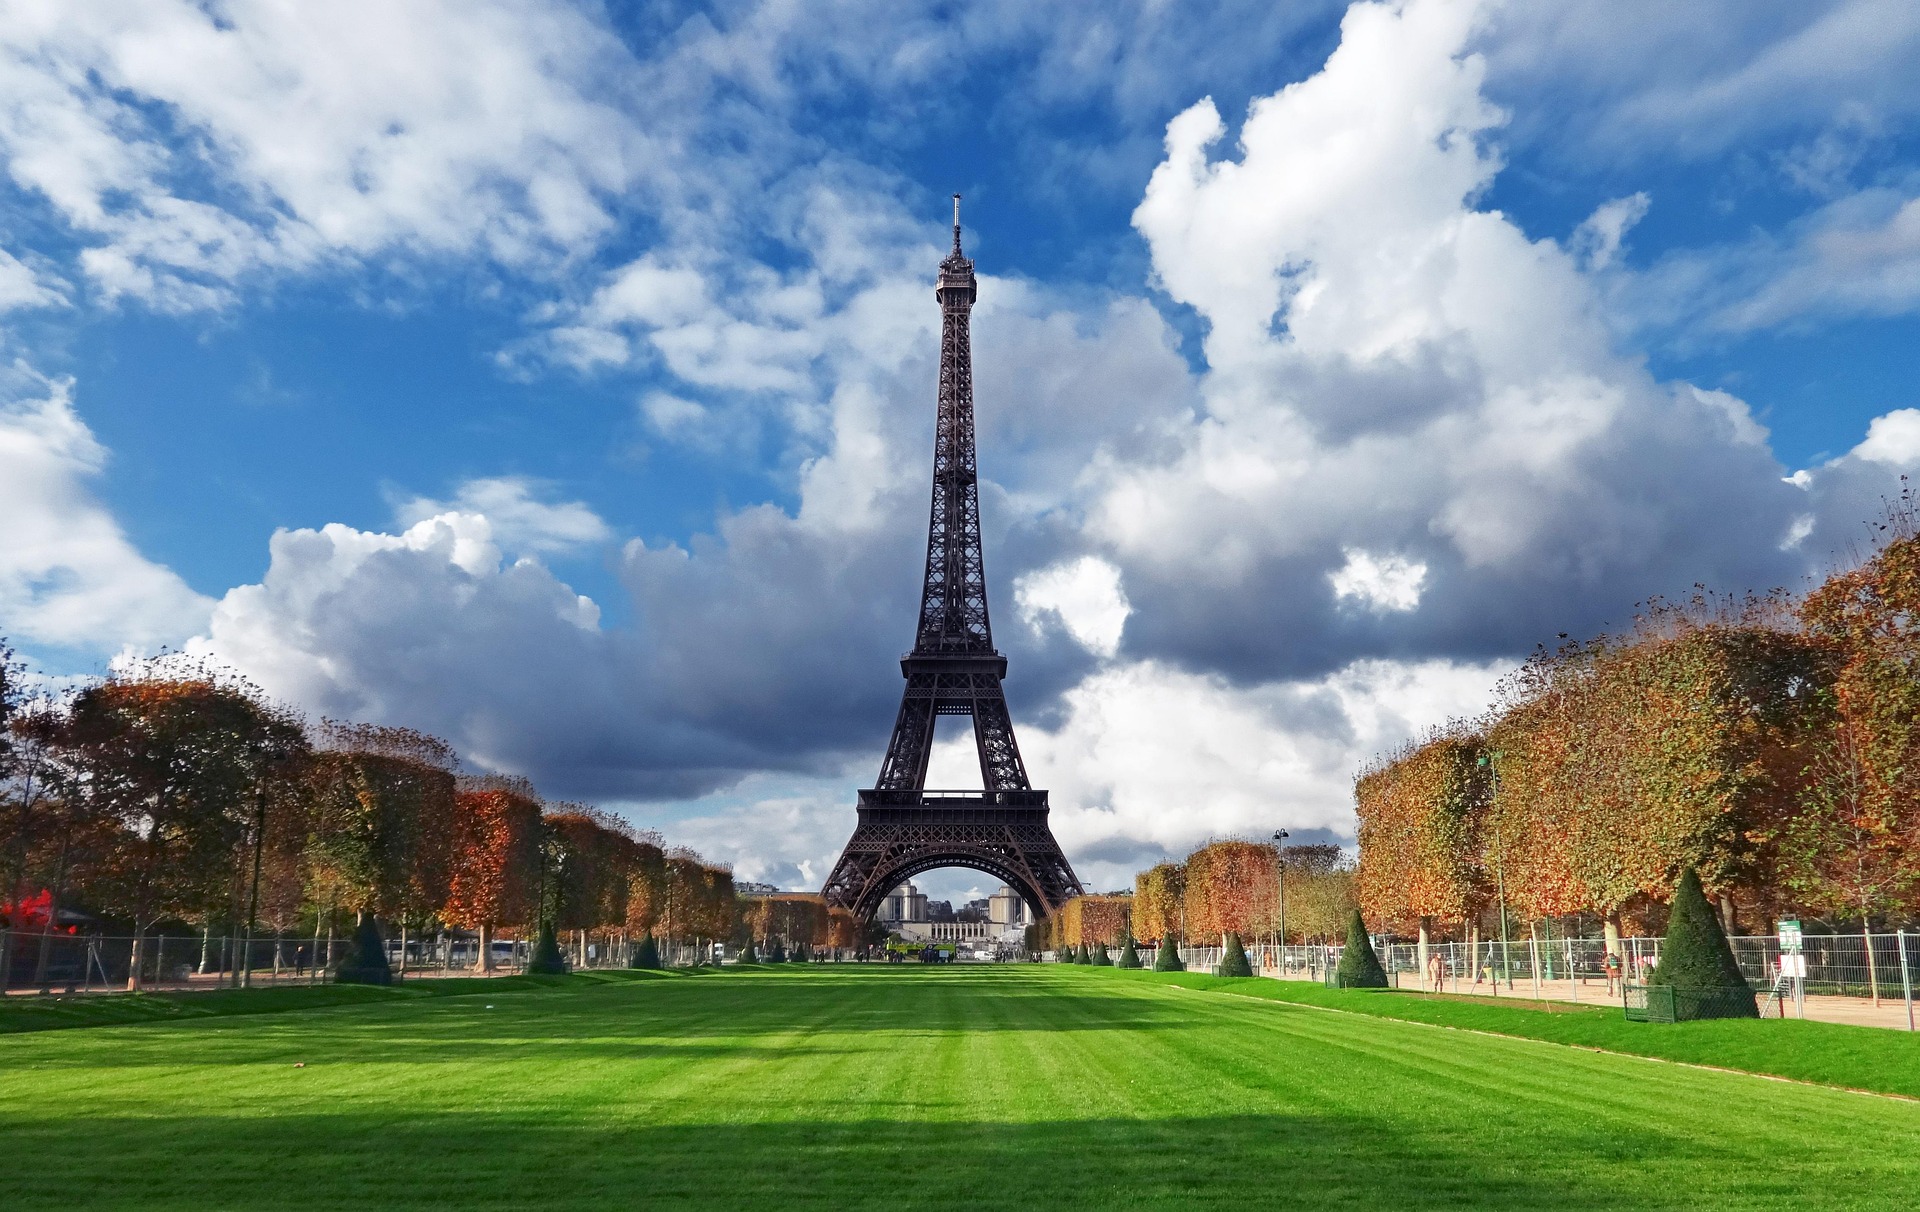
point(1436, 973)
point(1612, 966)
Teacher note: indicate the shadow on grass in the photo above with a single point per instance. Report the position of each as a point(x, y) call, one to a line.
point(465, 1160)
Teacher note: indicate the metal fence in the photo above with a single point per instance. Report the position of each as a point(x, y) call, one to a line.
point(39, 962)
point(1877, 970)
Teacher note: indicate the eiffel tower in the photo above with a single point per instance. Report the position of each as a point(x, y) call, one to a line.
point(953, 669)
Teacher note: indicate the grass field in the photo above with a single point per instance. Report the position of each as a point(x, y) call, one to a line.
point(855, 1087)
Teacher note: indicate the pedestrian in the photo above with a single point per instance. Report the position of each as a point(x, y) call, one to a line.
point(1612, 966)
point(1436, 973)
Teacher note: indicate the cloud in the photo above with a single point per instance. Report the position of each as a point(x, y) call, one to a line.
point(188, 147)
point(1083, 596)
point(1392, 368)
point(514, 517)
point(21, 287)
point(1598, 239)
point(1379, 582)
point(1642, 78)
point(1892, 440)
point(1150, 760)
point(69, 576)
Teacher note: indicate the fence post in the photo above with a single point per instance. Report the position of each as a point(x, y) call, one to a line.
point(1906, 978)
point(1573, 973)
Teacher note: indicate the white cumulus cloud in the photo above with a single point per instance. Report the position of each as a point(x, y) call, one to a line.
point(69, 575)
point(1086, 597)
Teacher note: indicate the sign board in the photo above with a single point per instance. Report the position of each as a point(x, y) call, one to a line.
point(1789, 935)
point(1794, 965)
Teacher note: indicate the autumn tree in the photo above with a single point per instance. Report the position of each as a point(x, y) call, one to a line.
point(383, 817)
point(494, 874)
point(176, 765)
point(1420, 818)
point(1232, 887)
point(1854, 849)
point(1321, 891)
point(1159, 895)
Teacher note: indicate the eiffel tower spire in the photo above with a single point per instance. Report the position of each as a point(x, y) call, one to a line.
point(953, 669)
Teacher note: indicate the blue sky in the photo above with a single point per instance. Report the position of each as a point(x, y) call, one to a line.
point(559, 378)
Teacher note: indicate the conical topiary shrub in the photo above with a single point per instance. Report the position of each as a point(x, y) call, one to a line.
point(546, 958)
point(1065, 954)
point(1129, 958)
point(1697, 961)
point(1359, 966)
point(1233, 961)
point(1100, 957)
point(1084, 955)
point(647, 954)
point(365, 963)
point(1168, 958)
point(747, 954)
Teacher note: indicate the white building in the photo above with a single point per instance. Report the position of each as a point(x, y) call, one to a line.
point(904, 911)
point(905, 906)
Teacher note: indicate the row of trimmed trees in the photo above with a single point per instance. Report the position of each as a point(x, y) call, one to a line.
point(1772, 745)
point(170, 794)
point(776, 923)
point(1224, 889)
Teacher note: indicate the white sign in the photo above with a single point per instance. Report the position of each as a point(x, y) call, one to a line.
point(1793, 965)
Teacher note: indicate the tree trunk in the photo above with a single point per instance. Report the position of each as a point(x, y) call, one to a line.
point(1425, 937)
point(1610, 926)
point(1873, 974)
point(484, 964)
point(133, 964)
point(206, 945)
point(1729, 916)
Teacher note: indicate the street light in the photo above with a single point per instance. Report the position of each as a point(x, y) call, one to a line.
point(1280, 878)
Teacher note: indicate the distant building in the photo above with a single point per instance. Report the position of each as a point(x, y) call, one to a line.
point(1006, 911)
point(998, 918)
point(905, 906)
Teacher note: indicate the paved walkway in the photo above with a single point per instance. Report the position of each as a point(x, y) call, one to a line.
point(1856, 1011)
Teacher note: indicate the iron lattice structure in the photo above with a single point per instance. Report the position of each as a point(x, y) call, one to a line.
point(954, 669)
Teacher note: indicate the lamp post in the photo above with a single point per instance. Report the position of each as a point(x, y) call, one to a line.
point(1490, 760)
point(1280, 880)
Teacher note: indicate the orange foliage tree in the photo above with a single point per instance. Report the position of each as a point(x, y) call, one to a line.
point(1159, 895)
point(1854, 848)
point(495, 874)
point(1232, 888)
point(383, 820)
point(1420, 814)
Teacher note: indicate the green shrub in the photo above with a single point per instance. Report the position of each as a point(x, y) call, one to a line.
point(1168, 958)
point(1129, 957)
point(1065, 954)
point(1359, 966)
point(546, 958)
point(365, 963)
point(747, 954)
point(1084, 955)
point(647, 954)
point(1100, 957)
point(1697, 959)
point(1234, 961)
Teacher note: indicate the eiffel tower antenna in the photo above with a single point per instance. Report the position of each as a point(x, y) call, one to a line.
point(904, 827)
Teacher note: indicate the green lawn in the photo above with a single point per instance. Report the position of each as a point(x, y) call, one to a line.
point(852, 1087)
